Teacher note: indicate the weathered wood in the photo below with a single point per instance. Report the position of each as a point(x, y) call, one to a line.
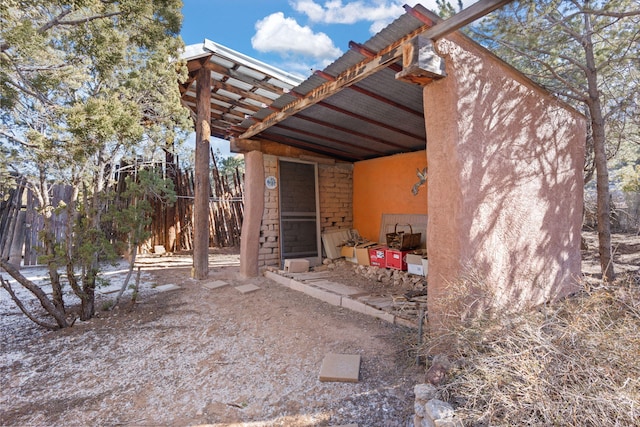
point(202, 188)
point(171, 217)
point(459, 20)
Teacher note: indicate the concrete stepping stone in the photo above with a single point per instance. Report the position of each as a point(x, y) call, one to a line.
point(339, 288)
point(165, 288)
point(340, 368)
point(379, 302)
point(245, 289)
point(320, 275)
point(215, 284)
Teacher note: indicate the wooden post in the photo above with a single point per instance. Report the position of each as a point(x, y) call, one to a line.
point(254, 208)
point(200, 268)
point(171, 218)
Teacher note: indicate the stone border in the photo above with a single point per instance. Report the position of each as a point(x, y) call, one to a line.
point(337, 299)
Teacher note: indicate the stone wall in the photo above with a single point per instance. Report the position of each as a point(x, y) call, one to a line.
point(269, 253)
point(335, 185)
point(431, 412)
point(336, 196)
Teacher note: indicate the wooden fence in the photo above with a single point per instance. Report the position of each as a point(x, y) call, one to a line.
point(171, 225)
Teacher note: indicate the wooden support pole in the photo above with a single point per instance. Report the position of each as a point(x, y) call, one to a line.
point(253, 210)
point(200, 268)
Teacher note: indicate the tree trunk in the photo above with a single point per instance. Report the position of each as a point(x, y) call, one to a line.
point(49, 241)
point(87, 302)
point(602, 171)
point(58, 315)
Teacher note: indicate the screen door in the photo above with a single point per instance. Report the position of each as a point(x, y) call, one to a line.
point(299, 213)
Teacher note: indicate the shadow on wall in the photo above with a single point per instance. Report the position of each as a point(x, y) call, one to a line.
point(518, 167)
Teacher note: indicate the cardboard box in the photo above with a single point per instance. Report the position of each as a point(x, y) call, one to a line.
point(415, 264)
point(349, 254)
point(347, 251)
point(362, 252)
point(358, 254)
point(415, 269)
point(377, 256)
point(396, 259)
point(425, 266)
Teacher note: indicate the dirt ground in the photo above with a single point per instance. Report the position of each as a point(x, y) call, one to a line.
point(195, 356)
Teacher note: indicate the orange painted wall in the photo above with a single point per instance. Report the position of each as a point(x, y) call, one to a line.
point(384, 185)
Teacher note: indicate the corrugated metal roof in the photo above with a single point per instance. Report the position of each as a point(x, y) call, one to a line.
point(377, 116)
point(241, 85)
point(373, 117)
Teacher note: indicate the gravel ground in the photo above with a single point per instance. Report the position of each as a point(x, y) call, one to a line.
point(195, 356)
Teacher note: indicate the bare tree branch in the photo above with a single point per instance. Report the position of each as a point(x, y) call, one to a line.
point(578, 95)
point(611, 14)
point(35, 290)
point(7, 286)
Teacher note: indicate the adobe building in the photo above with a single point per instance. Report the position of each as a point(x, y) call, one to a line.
point(501, 208)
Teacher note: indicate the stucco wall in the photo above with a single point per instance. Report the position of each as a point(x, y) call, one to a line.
point(335, 183)
point(383, 185)
point(505, 187)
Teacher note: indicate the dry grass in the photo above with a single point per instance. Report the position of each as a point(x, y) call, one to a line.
point(576, 363)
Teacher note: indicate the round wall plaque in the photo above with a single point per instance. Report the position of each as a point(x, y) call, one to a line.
point(271, 182)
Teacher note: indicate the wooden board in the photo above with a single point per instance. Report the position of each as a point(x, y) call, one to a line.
point(332, 241)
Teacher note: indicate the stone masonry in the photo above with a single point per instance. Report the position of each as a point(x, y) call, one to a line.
point(336, 196)
point(335, 183)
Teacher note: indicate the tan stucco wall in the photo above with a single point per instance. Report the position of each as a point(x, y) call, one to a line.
point(505, 186)
point(383, 185)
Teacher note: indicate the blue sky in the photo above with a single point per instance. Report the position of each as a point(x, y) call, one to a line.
point(297, 36)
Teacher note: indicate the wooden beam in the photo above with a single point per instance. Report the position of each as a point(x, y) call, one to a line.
point(351, 76)
point(202, 186)
point(238, 145)
point(196, 64)
point(362, 135)
point(357, 47)
point(228, 73)
point(457, 21)
point(334, 140)
point(241, 92)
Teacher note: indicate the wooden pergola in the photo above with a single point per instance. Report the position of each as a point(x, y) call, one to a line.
point(227, 109)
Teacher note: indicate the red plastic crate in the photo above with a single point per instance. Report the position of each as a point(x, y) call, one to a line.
point(377, 256)
point(396, 259)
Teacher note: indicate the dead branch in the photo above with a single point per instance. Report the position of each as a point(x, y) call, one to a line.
point(7, 286)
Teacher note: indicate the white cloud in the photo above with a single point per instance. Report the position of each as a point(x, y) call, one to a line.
point(379, 12)
point(285, 36)
point(335, 12)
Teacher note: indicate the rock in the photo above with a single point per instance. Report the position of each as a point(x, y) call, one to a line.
point(427, 422)
point(449, 422)
point(438, 370)
point(419, 410)
point(439, 410)
point(424, 392)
